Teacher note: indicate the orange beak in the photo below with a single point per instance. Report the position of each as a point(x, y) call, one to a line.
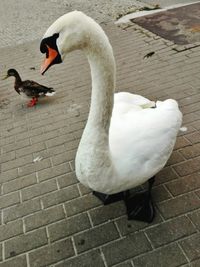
point(52, 54)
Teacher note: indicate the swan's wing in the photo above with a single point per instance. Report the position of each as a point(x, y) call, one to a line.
point(142, 140)
point(132, 99)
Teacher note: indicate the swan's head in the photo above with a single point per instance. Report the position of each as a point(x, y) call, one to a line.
point(66, 34)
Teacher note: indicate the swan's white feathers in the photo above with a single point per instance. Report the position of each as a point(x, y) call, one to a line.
point(140, 138)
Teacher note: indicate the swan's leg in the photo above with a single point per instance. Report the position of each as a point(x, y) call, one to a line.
point(140, 206)
point(108, 199)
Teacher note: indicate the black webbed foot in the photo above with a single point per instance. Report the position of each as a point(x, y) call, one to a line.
point(108, 199)
point(139, 206)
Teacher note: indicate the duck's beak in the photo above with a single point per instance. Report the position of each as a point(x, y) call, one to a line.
point(51, 56)
point(5, 77)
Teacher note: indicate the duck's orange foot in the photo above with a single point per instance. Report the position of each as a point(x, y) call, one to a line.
point(32, 103)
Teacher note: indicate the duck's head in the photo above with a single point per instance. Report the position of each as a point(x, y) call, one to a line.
point(68, 33)
point(11, 72)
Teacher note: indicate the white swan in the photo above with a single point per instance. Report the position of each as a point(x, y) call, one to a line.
point(125, 144)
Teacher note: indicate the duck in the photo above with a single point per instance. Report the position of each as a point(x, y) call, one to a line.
point(128, 138)
point(28, 88)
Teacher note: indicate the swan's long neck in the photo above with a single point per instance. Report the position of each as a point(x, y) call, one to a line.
point(102, 67)
point(93, 158)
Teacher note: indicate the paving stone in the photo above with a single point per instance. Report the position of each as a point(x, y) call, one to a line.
point(21, 210)
point(53, 172)
point(34, 167)
point(165, 175)
point(9, 200)
point(30, 149)
point(182, 142)
point(58, 124)
point(8, 175)
point(195, 263)
point(0, 252)
point(44, 217)
point(52, 253)
point(175, 157)
point(127, 227)
point(191, 151)
point(81, 204)
point(95, 237)
point(56, 150)
point(90, 259)
point(16, 163)
point(72, 145)
point(60, 196)
point(21, 145)
point(11, 229)
point(184, 185)
point(18, 245)
point(7, 157)
point(39, 189)
point(179, 205)
point(188, 167)
point(29, 134)
point(67, 179)
point(124, 264)
point(191, 246)
point(166, 256)
point(68, 227)
point(60, 140)
point(170, 231)
point(19, 183)
point(126, 248)
point(159, 193)
point(7, 140)
point(108, 212)
point(84, 190)
point(44, 137)
point(64, 157)
point(194, 137)
point(72, 165)
point(17, 261)
point(195, 217)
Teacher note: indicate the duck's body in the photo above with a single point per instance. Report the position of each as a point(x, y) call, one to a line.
point(29, 89)
point(127, 138)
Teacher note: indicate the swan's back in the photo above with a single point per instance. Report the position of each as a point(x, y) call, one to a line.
point(142, 139)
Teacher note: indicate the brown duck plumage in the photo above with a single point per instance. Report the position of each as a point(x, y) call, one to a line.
point(28, 88)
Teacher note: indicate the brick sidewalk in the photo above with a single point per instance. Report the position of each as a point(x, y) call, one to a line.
point(47, 217)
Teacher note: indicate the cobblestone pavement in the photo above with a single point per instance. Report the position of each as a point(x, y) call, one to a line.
point(46, 217)
point(26, 20)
